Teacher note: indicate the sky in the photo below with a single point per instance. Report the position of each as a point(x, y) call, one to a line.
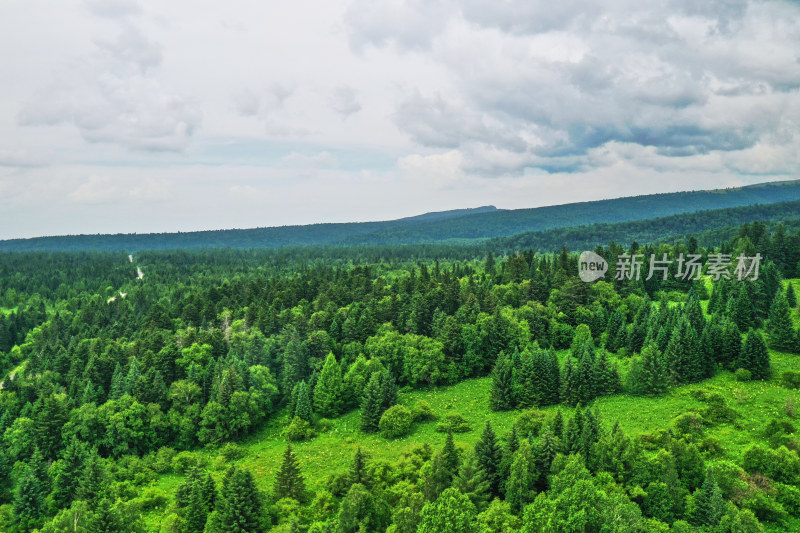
point(121, 116)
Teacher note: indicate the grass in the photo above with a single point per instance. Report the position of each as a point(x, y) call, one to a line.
point(331, 452)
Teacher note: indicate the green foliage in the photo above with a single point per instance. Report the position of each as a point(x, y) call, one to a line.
point(452, 512)
point(395, 422)
point(453, 422)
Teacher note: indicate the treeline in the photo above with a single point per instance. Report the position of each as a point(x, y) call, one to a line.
point(210, 344)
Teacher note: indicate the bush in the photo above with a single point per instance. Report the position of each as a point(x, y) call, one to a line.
point(790, 379)
point(530, 422)
point(232, 452)
point(395, 422)
point(298, 429)
point(185, 461)
point(742, 374)
point(689, 425)
point(453, 422)
point(422, 411)
point(162, 462)
point(790, 406)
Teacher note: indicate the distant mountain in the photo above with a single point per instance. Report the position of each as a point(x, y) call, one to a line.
point(456, 226)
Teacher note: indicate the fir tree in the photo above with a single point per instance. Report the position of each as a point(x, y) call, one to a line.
point(571, 443)
point(196, 510)
point(791, 297)
point(490, 455)
point(371, 405)
point(558, 423)
point(684, 356)
point(132, 378)
point(501, 396)
point(289, 482)
point(755, 356)
point(94, 480)
point(327, 392)
point(29, 501)
point(731, 344)
point(780, 330)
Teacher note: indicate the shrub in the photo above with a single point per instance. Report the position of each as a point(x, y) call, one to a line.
point(185, 461)
point(742, 374)
point(422, 411)
point(453, 422)
point(395, 422)
point(790, 379)
point(530, 422)
point(232, 452)
point(689, 425)
point(162, 462)
point(298, 429)
point(790, 407)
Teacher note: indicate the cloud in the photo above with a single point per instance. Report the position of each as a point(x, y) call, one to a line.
point(344, 100)
point(544, 85)
point(114, 96)
point(24, 158)
point(306, 162)
point(113, 8)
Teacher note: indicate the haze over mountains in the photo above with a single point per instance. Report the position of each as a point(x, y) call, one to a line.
point(473, 225)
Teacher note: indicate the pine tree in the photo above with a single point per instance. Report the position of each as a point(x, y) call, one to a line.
point(452, 512)
point(327, 392)
point(303, 407)
point(558, 423)
point(740, 307)
point(615, 332)
point(94, 480)
point(780, 330)
point(444, 468)
point(694, 312)
point(755, 356)
point(240, 505)
point(490, 455)
point(450, 459)
point(132, 378)
point(544, 451)
point(371, 405)
point(289, 482)
point(571, 443)
point(501, 396)
point(791, 297)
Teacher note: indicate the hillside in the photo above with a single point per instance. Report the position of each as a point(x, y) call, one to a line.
point(462, 225)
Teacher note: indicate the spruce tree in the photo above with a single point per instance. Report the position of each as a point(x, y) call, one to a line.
point(94, 480)
point(117, 384)
point(558, 423)
point(501, 395)
point(371, 405)
point(303, 406)
point(684, 355)
point(196, 510)
point(490, 455)
point(571, 443)
point(240, 505)
point(780, 330)
point(755, 356)
point(327, 392)
point(29, 500)
point(289, 482)
point(791, 297)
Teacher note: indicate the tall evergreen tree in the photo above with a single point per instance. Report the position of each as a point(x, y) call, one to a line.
point(780, 330)
point(501, 396)
point(240, 505)
point(731, 344)
point(490, 455)
point(289, 482)
point(303, 407)
point(471, 481)
point(520, 486)
point(755, 356)
point(684, 355)
point(709, 504)
point(371, 405)
point(327, 392)
point(791, 297)
point(67, 480)
point(649, 373)
point(358, 470)
point(389, 392)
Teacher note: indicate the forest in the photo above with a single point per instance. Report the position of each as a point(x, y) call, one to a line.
point(429, 388)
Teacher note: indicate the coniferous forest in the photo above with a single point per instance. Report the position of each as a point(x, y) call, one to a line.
point(400, 389)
